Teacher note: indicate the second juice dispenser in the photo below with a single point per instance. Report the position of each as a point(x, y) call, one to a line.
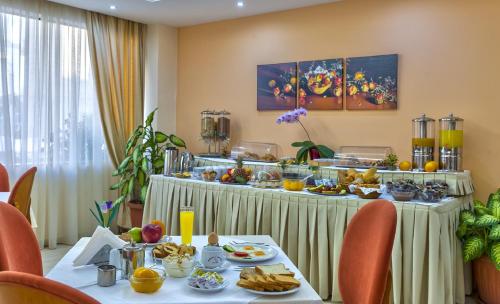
point(422, 142)
point(451, 142)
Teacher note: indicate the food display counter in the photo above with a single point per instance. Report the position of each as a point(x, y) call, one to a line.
point(427, 264)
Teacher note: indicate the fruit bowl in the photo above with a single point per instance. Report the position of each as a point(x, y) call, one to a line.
point(147, 284)
point(294, 184)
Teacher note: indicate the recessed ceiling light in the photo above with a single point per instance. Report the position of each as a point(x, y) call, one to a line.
point(112, 7)
point(240, 3)
point(152, 1)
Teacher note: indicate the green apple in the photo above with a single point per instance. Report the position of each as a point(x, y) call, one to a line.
point(135, 234)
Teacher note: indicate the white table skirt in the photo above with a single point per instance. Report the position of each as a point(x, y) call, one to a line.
point(427, 262)
point(175, 290)
point(4, 197)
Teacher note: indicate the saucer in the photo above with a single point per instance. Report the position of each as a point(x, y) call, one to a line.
point(221, 268)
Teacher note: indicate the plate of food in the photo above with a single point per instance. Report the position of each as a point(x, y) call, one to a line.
point(163, 250)
point(271, 280)
point(249, 252)
point(207, 281)
point(337, 190)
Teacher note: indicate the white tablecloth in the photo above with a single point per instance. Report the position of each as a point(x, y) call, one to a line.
point(427, 264)
point(175, 290)
point(4, 197)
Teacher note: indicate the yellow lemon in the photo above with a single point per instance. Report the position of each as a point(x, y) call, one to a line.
point(405, 166)
point(431, 166)
point(145, 273)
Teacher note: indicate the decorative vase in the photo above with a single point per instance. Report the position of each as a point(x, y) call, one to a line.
point(136, 210)
point(314, 153)
point(487, 279)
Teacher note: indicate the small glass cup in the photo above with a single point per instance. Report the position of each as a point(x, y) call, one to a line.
point(187, 223)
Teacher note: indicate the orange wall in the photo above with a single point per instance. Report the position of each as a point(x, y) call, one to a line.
point(448, 58)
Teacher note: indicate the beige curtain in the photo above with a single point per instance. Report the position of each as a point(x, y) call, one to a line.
point(117, 54)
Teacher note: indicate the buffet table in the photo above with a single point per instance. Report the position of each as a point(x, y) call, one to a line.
point(427, 262)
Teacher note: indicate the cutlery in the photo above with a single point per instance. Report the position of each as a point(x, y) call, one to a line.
point(248, 243)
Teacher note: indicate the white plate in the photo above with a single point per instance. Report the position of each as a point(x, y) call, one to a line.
point(164, 239)
point(273, 293)
point(221, 287)
point(221, 268)
point(269, 251)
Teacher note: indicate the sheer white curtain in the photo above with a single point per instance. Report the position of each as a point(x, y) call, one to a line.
point(49, 116)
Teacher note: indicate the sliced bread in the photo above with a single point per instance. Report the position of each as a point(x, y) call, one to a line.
point(274, 269)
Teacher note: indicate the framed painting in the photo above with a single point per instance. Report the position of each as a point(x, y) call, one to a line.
point(321, 84)
point(277, 86)
point(372, 82)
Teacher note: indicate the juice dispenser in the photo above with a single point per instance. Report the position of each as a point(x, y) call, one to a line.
point(422, 142)
point(451, 142)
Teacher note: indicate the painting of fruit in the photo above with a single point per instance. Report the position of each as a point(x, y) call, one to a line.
point(277, 86)
point(320, 84)
point(372, 82)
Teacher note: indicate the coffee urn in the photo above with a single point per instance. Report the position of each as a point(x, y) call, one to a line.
point(423, 141)
point(451, 141)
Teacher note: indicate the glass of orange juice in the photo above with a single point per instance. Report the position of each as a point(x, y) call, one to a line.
point(187, 222)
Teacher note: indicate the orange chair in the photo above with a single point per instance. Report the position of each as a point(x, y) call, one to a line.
point(19, 249)
point(366, 254)
point(20, 196)
point(4, 179)
point(25, 288)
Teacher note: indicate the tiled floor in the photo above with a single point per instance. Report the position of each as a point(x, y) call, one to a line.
point(50, 257)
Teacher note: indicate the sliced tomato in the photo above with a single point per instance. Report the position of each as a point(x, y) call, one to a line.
point(241, 254)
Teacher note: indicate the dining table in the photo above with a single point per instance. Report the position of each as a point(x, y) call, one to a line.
point(176, 290)
point(4, 198)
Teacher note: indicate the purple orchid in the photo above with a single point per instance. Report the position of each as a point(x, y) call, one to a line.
point(292, 116)
point(106, 206)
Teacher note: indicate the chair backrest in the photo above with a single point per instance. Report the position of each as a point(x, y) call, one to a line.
point(19, 250)
point(20, 196)
point(25, 288)
point(4, 179)
point(366, 253)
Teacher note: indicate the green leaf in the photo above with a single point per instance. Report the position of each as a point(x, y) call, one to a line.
point(177, 141)
point(486, 220)
point(114, 212)
point(124, 163)
point(137, 153)
point(95, 216)
point(160, 137)
point(141, 177)
point(494, 234)
point(120, 200)
point(494, 205)
point(461, 230)
point(494, 254)
point(473, 248)
point(99, 211)
point(144, 191)
point(297, 144)
point(325, 152)
point(124, 190)
point(158, 163)
point(116, 186)
point(131, 186)
point(150, 117)
point(302, 154)
point(466, 216)
point(115, 173)
point(144, 165)
point(480, 209)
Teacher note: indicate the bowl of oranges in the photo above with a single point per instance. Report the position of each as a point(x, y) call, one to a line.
point(147, 280)
point(294, 182)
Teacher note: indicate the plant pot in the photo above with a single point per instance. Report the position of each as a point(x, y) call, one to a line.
point(487, 279)
point(314, 153)
point(136, 211)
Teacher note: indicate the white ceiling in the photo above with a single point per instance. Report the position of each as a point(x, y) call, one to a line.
point(187, 12)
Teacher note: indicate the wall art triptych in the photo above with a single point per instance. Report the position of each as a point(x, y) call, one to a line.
point(362, 83)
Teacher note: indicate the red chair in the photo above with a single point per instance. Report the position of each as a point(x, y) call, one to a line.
point(25, 288)
point(4, 179)
point(364, 265)
point(20, 196)
point(19, 249)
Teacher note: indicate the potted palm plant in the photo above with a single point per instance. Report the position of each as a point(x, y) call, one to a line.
point(479, 231)
point(144, 155)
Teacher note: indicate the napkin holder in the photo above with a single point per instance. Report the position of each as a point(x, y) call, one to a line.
point(101, 257)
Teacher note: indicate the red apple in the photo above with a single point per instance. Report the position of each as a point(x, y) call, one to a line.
point(151, 233)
